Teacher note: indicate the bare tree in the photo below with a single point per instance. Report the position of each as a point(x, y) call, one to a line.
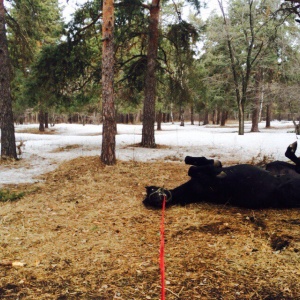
point(240, 83)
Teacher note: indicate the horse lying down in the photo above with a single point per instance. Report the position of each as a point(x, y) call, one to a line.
point(241, 185)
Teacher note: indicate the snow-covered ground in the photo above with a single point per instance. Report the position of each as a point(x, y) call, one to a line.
point(44, 152)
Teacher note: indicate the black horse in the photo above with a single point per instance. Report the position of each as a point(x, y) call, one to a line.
point(240, 185)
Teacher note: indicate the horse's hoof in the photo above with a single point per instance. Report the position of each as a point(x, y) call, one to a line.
point(290, 151)
point(293, 147)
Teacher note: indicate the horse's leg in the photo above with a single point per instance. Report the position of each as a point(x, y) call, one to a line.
point(204, 172)
point(202, 161)
point(290, 153)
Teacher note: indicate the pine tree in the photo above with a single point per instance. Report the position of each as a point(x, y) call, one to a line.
point(8, 144)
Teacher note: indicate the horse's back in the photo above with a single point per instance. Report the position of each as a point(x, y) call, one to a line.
point(280, 168)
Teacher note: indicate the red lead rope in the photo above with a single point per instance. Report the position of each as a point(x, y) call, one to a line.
point(162, 250)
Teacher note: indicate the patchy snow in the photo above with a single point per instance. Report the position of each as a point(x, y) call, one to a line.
point(44, 152)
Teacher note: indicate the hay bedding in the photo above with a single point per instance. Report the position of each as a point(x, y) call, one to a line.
point(84, 234)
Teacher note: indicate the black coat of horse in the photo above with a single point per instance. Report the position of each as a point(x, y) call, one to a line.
point(240, 185)
point(279, 168)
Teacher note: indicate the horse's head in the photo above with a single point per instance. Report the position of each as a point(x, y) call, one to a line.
point(155, 196)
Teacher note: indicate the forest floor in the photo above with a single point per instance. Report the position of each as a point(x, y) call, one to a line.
point(83, 233)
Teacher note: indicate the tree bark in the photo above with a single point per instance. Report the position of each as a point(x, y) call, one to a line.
point(256, 103)
point(41, 121)
point(268, 115)
point(181, 117)
point(108, 152)
point(206, 118)
point(268, 109)
point(159, 120)
point(218, 117)
point(214, 114)
point(46, 120)
point(241, 118)
point(8, 141)
point(297, 127)
point(223, 117)
point(148, 138)
point(192, 114)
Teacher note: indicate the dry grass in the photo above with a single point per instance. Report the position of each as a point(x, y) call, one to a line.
point(37, 131)
point(66, 148)
point(84, 234)
point(157, 146)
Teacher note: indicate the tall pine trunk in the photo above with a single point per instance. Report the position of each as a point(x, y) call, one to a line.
point(108, 153)
point(148, 138)
point(8, 142)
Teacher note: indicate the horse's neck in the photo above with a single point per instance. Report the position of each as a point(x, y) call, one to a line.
point(181, 194)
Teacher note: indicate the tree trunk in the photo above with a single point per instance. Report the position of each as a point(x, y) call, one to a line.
point(41, 121)
point(171, 117)
point(223, 117)
point(46, 120)
point(214, 117)
point(241, 118)
point(181, 116)
point(192, 115)
point(8, 141)
point(218, 116)
point(206, 118)
point(261, 102)
point(159, 120)
point(268, 115)
point(148, 139)
point(297, 127)
point(108, 152)
point(256, 102)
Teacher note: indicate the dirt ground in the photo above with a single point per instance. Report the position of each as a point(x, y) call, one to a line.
point(83, 233)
